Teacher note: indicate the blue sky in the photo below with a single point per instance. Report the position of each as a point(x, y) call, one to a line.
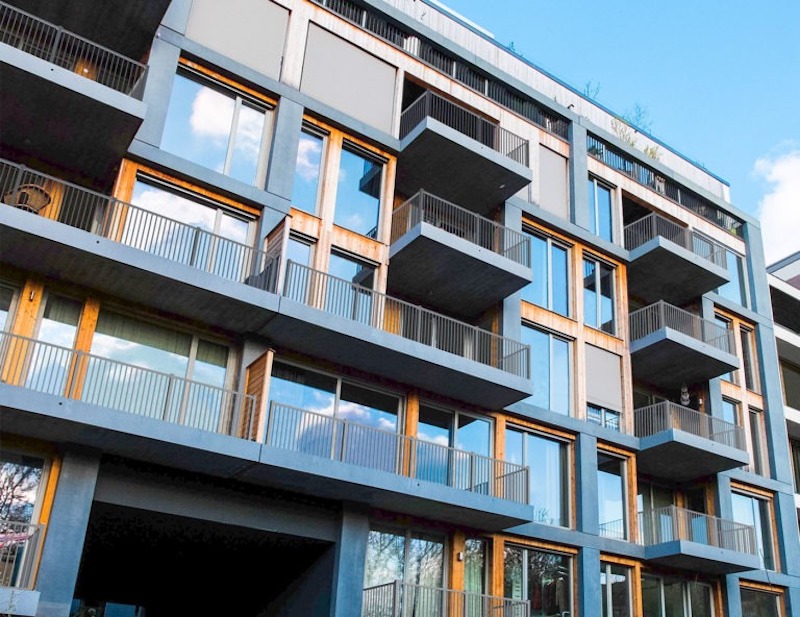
point(719, 81)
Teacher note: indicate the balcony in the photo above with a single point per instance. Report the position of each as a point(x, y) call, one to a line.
point(66, 100)
point(679, 538)
point(399, 599)
point(344, 459)
point(435, 242)
point(671, 347)
point(337, 320)
point(131, 253)
point(683, 444)
point(672, 263)
point(20, 544)
point(458, 155)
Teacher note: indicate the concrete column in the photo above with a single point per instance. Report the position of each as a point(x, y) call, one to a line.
point(731, 599)
point(788, 539)
point(66, 533)
point(351, 551)
point(285, 140)
point(512, 315)
point(586, 479)
point(578, 176)
point(589, 598)
point(161, 69)
point(177, 15)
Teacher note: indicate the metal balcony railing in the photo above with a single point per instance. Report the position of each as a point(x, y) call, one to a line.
point(615, 530)
point(20, 544)
point(136, 227)
point(346, 299)
point(673, 523)
point(399, 599)
point(665, 415)
point(61, 371)
point(662, 315)
point(427, 208)
point(70, 51)
point(307, 432)
point(430, 105)
point(654, 225)
point(637, 171)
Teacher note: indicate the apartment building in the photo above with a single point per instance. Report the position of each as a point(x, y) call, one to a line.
point(339, 307)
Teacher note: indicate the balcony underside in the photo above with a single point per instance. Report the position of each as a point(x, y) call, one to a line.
point(54, 418)
point(668, 358)
point(126, 26)
point(697, 557)
point(442, 161)
point(72, 256)
point(682, 456)
point(63, 120)
point(53, 250)
point(663, 270)
point(439, 270)
point(336, 339)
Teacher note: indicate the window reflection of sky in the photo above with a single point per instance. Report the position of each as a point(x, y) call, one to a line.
point(357, 205)
point(307, 170)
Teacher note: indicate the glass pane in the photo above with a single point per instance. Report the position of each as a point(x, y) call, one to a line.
point(229, 254)
point(434, 427)
point(6, 296)
point(604, 218)
point(198, 123)
point(651, 597)
point(620, 591)
point(514, 440)
point(473, 434)
point(540, 366)
point(730, 411)
point(20, 476)
point(700, 600)
point(590, 315)
point(425, 560)
point(247, 143)
point(591, 191)
point(49, 367)
point(560, 376)
point(368, 407)
point(734, 290)
point(211, 363)
point(513, 573)
point(536, 291)
point(759, 603)
point(341, 298)
point(385, 558)
point(302, 388)
point(298, 252)
point(724, 323)
point(757, 441)
point(549, 587)
point(306, 173)
point(611, 496)
point(790, 375)
point(60, 321)
point(559, 280)
point(549, 493)
point(749, 361)
point(673, 597)
point(358, 194)
point(607, 299)
point(475, 566)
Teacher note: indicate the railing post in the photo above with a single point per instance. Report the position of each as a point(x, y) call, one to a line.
point(396, 600)
point(170, 383)
point(270, 416)
point(55, 44)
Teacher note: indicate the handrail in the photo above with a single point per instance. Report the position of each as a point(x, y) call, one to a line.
point(346, 299)
point(670, 523)
point(464, 121)
point(398, 599)
point(138, 228)
point(667, 415)
point(61, 371)
point(654, 225)
point(483, 232)
point(316, 434)
point(20, 544)
point(644, 175)
point(663, 315)
point(63, 48)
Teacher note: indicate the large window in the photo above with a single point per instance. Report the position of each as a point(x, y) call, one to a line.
point(309, 409)
point(550, 370)
point(211, 236)
point(794, 447)
point(49, 367)
point(468, 434)
point(550, 285)
point(358, 192)
point(612, 497)
point(549, 462)
point(724, 322)
point(665, 596)
point(308, 169)
point(749, 359)
point(757, 603)
point(615, 588)
point(735, 290)
point(542, 577)
point(341, 297)
point(757, 441)
point(790, 379)
point(413, 557)
point(601, 220)
point(218, 128)
point(598, 295)
point(21, 479)
point(143, 359)
point(756, 511)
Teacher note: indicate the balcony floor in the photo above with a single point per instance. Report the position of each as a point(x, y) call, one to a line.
point(446, 163)
point(663, 270)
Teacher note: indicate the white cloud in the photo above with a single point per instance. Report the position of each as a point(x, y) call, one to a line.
point(779, 208)
point(212, 114)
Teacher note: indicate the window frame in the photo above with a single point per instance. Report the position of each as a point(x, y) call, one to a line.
point(593, 205)
point(348, 145)
point(628, 517)
point(407, 535)
point(598, 264)
point(750, 365)
point(605, 569)
point(324, 135)
point(765, 500)
point(551, 244)
point(570, 343)
point(526, 549)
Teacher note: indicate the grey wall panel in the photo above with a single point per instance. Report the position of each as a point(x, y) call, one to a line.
point(252, 32)
point(553, 183)
point(349, 79)
point(603, 378)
